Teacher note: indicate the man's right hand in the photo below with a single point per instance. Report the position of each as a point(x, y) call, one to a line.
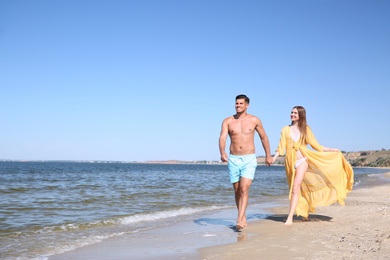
point(224, 157)
point(268, 160)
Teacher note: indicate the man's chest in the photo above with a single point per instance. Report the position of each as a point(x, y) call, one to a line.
point(241, 127)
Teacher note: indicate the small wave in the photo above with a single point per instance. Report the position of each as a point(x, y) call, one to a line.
point(210, 235)
point(69, 237)
point(116, 221)
point(374, 174)
point(77, 243)
point(167, 214)
point(45, 247)
point(135, 219)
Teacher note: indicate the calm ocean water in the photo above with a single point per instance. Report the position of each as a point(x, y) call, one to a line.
point(47, 208)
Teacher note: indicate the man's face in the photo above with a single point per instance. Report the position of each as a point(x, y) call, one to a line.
point(241, 105)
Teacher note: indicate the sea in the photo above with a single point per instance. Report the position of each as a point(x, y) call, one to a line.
point(52, 207)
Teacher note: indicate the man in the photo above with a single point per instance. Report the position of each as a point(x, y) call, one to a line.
point(242, 160)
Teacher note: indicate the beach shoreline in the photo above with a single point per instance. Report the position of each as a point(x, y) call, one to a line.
point(177, 241)
point(358, 230)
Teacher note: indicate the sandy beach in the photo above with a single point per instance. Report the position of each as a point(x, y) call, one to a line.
point(358, 230)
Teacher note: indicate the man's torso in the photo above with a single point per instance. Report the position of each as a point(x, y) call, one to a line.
point(241, 132)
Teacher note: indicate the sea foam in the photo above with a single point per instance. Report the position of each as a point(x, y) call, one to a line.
point(144, 217)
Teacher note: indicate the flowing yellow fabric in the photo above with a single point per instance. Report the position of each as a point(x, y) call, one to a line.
point(329, 177)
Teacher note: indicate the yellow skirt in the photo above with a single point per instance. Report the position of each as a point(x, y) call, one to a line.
point(329, 178)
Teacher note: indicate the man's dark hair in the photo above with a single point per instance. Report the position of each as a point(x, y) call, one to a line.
point(242, 96)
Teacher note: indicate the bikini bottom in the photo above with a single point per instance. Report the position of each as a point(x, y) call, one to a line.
point(299, 162)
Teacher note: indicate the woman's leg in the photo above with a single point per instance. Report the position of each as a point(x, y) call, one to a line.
point(299, 174)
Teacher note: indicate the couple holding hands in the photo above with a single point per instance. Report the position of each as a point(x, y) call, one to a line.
point(316, 178)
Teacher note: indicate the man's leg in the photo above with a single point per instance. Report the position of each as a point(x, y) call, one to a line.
point(241, 190)
point(236, 186)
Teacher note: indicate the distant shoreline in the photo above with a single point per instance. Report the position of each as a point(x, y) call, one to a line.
point(375, 158)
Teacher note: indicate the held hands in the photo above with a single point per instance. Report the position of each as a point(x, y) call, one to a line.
point(275, 156)
point(269, 160)
point(273, 159)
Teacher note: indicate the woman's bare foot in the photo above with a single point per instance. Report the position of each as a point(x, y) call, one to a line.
point(305, 219)
point(288, 222)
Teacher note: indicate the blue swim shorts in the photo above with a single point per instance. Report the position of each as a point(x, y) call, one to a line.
point(242, 166)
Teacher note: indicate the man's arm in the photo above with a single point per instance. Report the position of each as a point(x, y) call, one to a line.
point(264, 140)
point(222, 140)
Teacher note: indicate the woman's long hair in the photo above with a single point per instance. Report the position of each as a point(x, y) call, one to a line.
point(302, 124)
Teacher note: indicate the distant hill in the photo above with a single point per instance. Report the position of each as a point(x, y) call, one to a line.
point(369, 158)
point(356, 159)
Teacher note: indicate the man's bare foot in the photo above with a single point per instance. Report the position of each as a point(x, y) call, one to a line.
point(288, 222)
point(241, 225)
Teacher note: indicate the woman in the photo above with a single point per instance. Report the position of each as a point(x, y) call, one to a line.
point(315, 178)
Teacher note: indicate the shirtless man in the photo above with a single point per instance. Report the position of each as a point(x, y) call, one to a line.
point(242, 160)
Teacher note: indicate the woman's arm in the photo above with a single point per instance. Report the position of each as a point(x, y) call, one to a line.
point(312, 140)
point(275, 156)
point(326, 149)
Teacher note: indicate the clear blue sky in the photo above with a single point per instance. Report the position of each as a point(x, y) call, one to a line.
point(153, 80)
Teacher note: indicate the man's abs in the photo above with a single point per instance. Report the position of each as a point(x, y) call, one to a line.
point(242, 149)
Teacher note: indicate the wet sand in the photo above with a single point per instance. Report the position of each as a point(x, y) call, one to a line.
point(358, 230)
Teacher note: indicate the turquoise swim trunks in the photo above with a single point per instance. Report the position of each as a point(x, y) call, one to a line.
point(242, 166)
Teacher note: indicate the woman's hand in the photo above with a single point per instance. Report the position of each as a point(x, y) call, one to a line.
point(326, 149)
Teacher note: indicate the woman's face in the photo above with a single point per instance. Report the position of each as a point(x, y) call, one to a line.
point(294, 115)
